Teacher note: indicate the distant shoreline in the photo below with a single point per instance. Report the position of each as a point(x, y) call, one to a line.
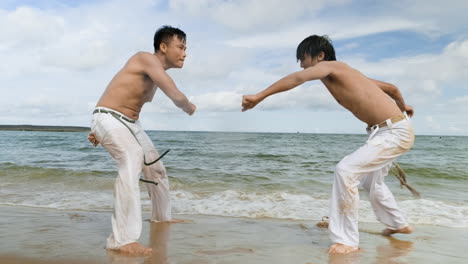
point(43, 128)
point(87, 129)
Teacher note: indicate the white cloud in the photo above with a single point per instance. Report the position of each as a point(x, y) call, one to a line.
point(456, 130)
point(75, 39)
point(461, 101)
point(313, 96)
point(210, 64)
point(28, 28)
point(308, 96)
point(443, 17)
point(422, 78)
point(432, 123)
point(65, 56)
point(445, 123)
point(90, 52)
point(246, 15)
point(341, 29)
point(218, 101)
point(458, 105)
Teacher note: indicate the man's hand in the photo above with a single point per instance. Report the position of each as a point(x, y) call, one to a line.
point(92, 139)
point(191, 109)
point(249, 102)
point(409, 110)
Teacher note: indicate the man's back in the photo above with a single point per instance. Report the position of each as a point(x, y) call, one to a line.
point(131, 87)
point(360, 95)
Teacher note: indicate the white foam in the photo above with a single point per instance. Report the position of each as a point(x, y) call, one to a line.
point(240, 204)
point(231, 203)
point(305, 207)
point(62, 200)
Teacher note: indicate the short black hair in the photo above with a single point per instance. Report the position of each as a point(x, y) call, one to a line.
point(165, 34)
point(313, 45)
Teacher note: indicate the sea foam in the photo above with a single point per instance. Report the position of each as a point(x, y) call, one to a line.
point(230, 203)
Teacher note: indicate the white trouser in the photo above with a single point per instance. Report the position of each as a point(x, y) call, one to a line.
point(128, 153)
point(368, 165)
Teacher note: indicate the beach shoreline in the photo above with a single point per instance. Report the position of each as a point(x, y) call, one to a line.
point(44, 128)
point(36, 235)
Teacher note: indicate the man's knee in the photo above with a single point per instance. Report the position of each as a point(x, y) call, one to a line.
point(346, 176)
point(156, 170)
point(378, 193)
point(343, 168)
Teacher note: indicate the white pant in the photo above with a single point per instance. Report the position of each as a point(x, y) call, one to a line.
point(128, 153)
point(368, 165)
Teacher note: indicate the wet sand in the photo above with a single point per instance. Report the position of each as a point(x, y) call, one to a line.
point(32, 235)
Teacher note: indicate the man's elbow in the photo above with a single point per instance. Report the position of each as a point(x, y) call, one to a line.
point(391, 89)
point(298, 80)
point(180, 101)
point(396, 91)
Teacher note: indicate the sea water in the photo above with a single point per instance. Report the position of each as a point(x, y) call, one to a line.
point(256, 175)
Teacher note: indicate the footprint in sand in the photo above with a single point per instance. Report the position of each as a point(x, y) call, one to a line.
point(77, 217)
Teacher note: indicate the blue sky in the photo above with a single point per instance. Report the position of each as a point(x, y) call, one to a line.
point(58, 56)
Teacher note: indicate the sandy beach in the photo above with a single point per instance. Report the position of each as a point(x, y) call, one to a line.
point(31, 235)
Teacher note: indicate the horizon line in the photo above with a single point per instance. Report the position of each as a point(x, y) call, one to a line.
point(85, 128)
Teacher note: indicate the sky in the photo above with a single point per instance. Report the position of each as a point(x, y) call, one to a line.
point(58, 56)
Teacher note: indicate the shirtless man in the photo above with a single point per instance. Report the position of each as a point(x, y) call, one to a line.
point(378, 104)
point(116, 126)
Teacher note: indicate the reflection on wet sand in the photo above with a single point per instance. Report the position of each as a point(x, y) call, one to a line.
point(351, 258)
point(387, 253)
point(159, 239)
point(391, 252)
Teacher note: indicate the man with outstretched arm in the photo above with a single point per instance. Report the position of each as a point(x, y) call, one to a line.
point(378, 104)
point(116, 126)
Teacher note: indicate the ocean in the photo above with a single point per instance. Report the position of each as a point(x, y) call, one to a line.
point(253, 175)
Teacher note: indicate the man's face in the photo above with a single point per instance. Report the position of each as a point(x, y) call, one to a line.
point(175, 52)
point(308, 61)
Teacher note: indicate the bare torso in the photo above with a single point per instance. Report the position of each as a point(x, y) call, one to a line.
point(358, 94)
point(130, 88)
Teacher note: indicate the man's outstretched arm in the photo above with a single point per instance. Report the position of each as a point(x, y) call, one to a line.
point(161, 79)
point(396, 95)
point(289, 82)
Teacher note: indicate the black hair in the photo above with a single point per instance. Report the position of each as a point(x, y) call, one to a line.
point(165, 34)
point(313, 45)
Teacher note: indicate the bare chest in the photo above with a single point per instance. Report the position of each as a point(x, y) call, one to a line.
point(148, 91)
point(336, 90)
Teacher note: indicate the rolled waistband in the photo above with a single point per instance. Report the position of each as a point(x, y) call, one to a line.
point(114, 113)
point(392, 120)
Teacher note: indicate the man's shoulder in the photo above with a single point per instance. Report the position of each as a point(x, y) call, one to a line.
point(337, 67)
point(335, 63)
point(143, 55)
point(144, 59)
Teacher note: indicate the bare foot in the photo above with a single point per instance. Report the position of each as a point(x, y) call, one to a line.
point(404, 230)
point(134, 248)
point(338, 248)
